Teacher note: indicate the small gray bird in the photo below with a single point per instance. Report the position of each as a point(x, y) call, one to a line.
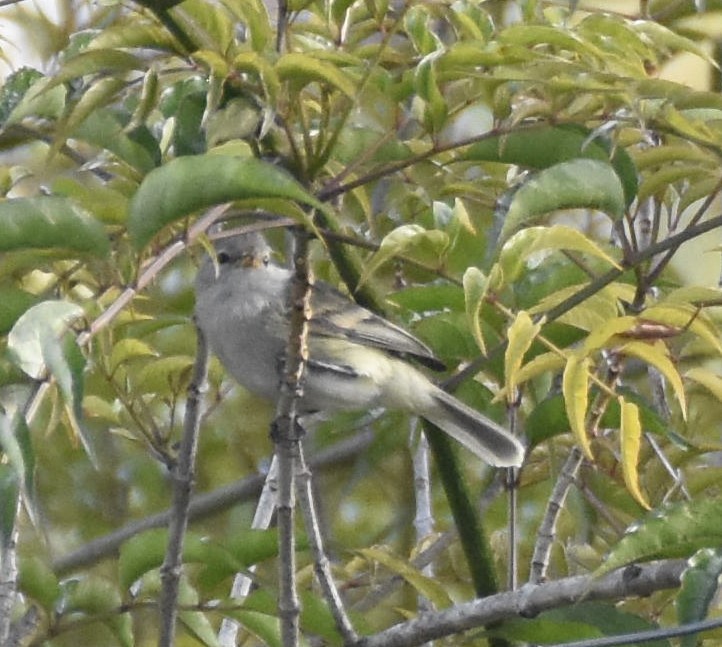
point(356, 358)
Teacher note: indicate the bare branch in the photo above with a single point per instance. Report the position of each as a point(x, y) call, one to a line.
point(287, 438)
point(183, 476)
point(529, 601)
point(547, 528)
point(322, 565)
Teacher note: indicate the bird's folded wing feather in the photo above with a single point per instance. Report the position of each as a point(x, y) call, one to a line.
point(334, 315)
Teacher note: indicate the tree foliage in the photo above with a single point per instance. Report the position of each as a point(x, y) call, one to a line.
point(516, 182)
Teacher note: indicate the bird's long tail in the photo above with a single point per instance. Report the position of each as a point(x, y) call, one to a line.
point(480, 435)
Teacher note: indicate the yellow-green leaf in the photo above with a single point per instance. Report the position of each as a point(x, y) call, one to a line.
point(575, 388)
point(522, 245)
point(544, 363)
point(683, 316)
point(657, 354)
point(429, 588)
point(128, 349)
point(258, 65)
point(297, 67)
point(708, 379)
point(588, 315)
point(599, 337)
point(404, 240)
point(631, 435)
point(476, 286)
point(521, 334)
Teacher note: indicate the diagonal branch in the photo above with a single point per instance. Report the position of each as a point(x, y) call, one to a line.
point(529, 601)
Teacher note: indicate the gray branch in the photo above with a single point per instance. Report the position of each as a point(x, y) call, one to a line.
point(529, 601)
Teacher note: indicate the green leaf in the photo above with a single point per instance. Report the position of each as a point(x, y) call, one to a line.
point(195, 622)
point(106, 204)
point(253, 546)
point(165, 373)
point(630, 432)
point(259, 65)
point(316, 618)
point(140, 554)
point(40, 327)
point(37, 580)
point(97, 61)
point(40, 100)
point(254, 14)
point(95, 596)
point(66, 364)
point(522, 246)
point(661, 36)
point(264, 627)
point(138, 32)
point(105, 129)
point(411, 240)
point(658, 355)
point(542, 147)
point(146, 551)
point(699, 587)
point(575, 387)
point(9, 495)
point(304, 68)
point(521, 335)
point(584, 620)
point(676, 530)
point(579, 183)
point(425, 586)
point(188, 184)
point(17, 445)
point(128, 349)
point(40, 341)
point(96, 96)
point(427, 87)
point(429, 298)
point(548, 419)
point(476, 287)
point(13, 302)
point(418, 29)
point(49, 222)
point(15, 86)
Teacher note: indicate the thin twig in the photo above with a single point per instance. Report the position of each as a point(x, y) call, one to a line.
point(423, 516)
point(547, 528)
point(511, 474)
point(183, 476)
point(322, 566)
point(694, 220)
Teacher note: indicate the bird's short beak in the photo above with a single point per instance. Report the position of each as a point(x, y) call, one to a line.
point(251, 261)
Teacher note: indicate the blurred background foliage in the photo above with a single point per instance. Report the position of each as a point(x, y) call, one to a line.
point(504, 155)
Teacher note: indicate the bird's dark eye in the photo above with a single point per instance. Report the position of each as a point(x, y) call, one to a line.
point(223, 257)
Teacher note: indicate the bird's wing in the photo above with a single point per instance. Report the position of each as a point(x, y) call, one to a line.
point(334, 315)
